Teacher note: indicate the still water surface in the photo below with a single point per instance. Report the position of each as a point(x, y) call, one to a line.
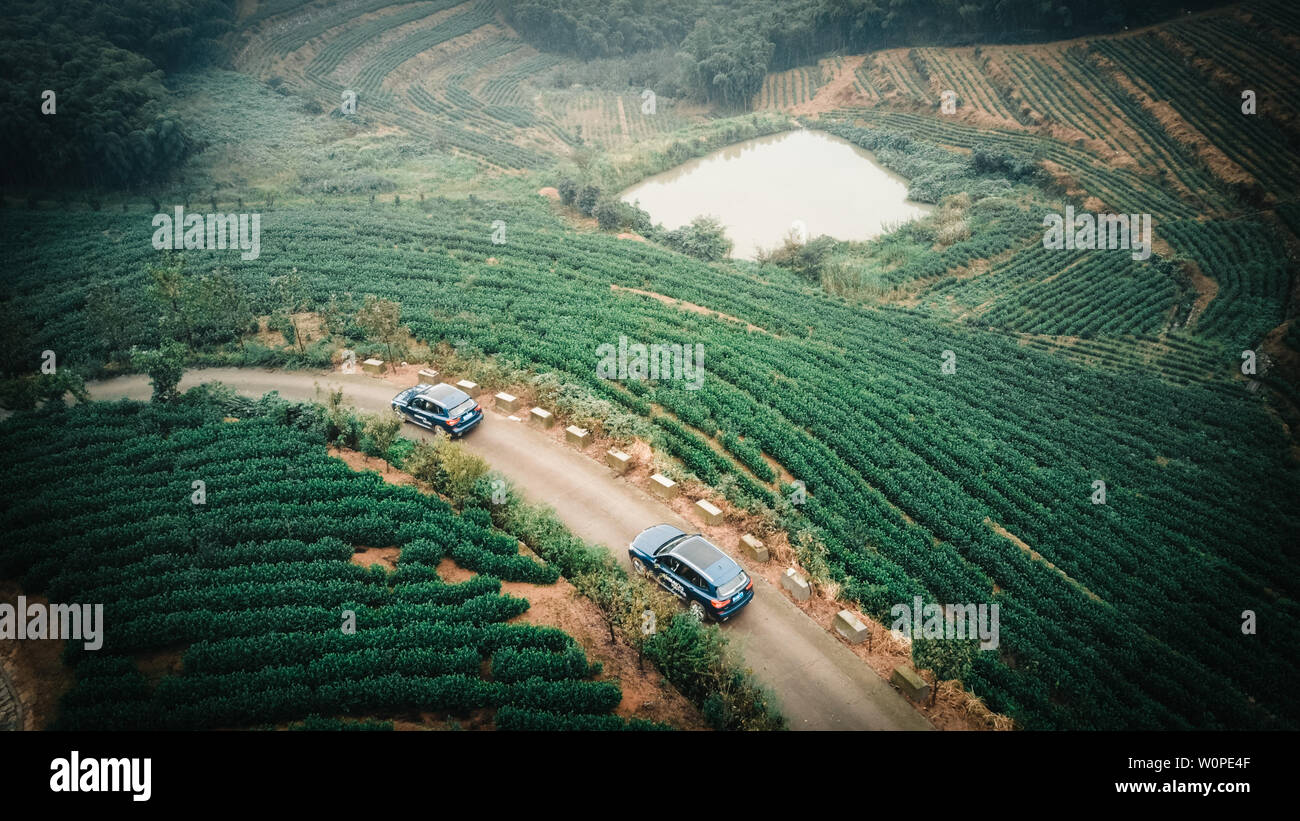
point(759, 189)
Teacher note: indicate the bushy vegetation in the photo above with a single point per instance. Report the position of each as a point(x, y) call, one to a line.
point(1069, 368)
point(807, 260)
point(111, 124)
point(1247, 261)
point(1261, 145)
point(255, 582)
point(866, 464)
point(902, 469)
point(698, 660)
point(727, 48)
point(703, 238)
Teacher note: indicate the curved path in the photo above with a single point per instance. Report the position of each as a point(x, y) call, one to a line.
point(818, 682)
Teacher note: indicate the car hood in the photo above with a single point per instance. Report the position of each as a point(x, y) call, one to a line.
point(649, 540)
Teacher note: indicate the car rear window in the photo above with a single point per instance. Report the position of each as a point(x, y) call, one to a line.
point(463, 408)
point(733, 586)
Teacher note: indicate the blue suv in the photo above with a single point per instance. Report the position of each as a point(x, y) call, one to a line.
point(693, 569)
point(439, 407)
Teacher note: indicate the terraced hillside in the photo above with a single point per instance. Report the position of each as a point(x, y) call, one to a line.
point(439, 69)
point(251, 590)
point(1136, 102)
point(790, 88)
point(611, 119)
point(442, 69)
point(908, 470)
point(1073, 370)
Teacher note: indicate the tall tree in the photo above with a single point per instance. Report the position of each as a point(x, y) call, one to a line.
point(381, 319)
point(165, 366)
point(167, 288)
point(294, 300)
point(115, 320)
point(218, 308)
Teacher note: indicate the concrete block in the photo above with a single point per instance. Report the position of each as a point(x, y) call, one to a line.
point(468, 387)
point(429, 377)
point(848, 625)
point(664, 487)
point(753, 548)
point(541, 418)
point(912, 685)
point(796, 584)
point(507, 402)
point(575, 435)
point(373, 366)
point(618, 460)
point(712, 513)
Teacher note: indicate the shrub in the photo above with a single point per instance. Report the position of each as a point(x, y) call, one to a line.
point(607, 215)
point(695, 658)
point(165, 367)
point(517, 568)
point(704, 238)
point(588, 196)
point(568, 189)
point(316, 723)
point(520, 719)
point(379, 431)
point(808, 260)
point(517, 664)
point(448, 466)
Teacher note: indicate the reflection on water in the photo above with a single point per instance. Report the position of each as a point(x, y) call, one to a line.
point(759, 188)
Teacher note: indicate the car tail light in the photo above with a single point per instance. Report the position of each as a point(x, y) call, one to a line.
point(718, 605)
point(478, 407)
point(455, 421)
point(750, 586)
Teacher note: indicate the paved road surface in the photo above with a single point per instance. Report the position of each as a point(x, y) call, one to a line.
point(819, 683)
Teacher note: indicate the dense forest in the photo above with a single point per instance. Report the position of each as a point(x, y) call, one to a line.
point(727, 46)
point(107, 123)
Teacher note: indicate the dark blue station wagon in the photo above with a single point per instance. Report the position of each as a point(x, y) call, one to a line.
point(439, 407)
point(693, 569)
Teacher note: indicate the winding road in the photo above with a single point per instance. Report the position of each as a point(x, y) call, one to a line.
point(818, 682)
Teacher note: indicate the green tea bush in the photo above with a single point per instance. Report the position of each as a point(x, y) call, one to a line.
point(516, 568)
point(519, 719)
point(256, 584)
point(515, 664)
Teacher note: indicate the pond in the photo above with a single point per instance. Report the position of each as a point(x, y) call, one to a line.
point(760, 188)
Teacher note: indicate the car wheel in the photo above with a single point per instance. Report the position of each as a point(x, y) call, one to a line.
point(639, 567)
point(697, 610)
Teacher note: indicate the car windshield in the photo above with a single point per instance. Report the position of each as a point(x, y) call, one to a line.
point(463, 408)
point(733, 586)
point(668, 545)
